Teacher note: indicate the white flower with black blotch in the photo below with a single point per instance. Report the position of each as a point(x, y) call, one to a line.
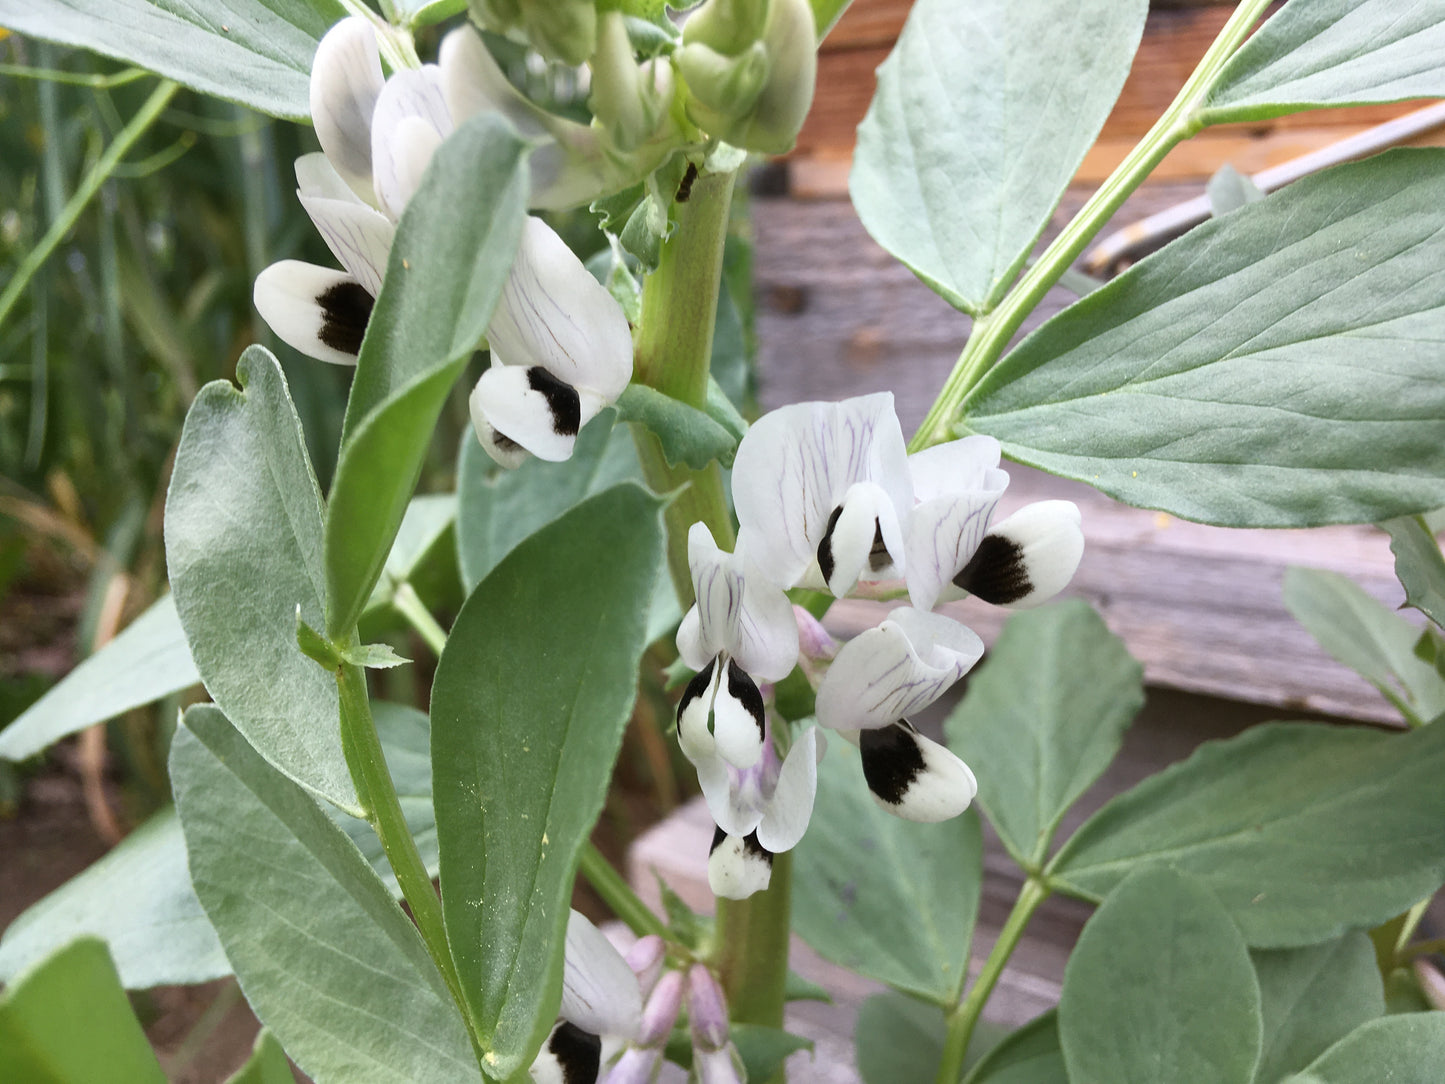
point(881, 677)
point(738, 866)
point(739, 632)
point(822, 492)
point(601, 1009)
point(953, 550)
point(561, 352)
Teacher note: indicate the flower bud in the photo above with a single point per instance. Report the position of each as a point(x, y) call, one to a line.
point(563, 30)
point(750, 86)
point(629, 100)
point(718, 1066)
point(636, 1066)
point(661, 1010)
point(707, 1009)
point(646, 958)
point(814, 641)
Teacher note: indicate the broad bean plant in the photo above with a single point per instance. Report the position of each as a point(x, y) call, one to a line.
point(1282, 365)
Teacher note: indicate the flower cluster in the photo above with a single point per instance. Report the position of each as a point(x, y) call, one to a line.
point(827, 497)
point(618, 1012)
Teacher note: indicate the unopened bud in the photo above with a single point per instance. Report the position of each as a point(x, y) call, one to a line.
point(646, 959)
point(729, 26)
point(629, 100)
point(718, 1066)
point(707, 1009)
point(636, 1066)
point(661, 1010)
point(563, 30)
point(814, 641)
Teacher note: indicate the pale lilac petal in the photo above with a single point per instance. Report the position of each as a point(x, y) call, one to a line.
point(554, 314)
point(1028, 558)
point(410, 121)
point(646, 957)
point(956, 466)
point(791, 807)
point(719, 1066)
point(734, 798)
point(913, 777)
point(894, 670)
point(346, 82)
point(638, 1065)
point(707, 1009)
point(600, 993)
point(794, 467)
point(737, 867)
point(317, 310)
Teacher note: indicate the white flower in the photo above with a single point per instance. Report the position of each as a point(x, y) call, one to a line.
point(773, 799)
point(952, 550)
point(738, 866)
point(740, 631)
point(821, 491)
point(601, 1009)
point(561, 351)
point(878, 679)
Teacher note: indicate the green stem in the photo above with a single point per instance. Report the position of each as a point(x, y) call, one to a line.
point(404, 600)
point(618, 894)
point(89, 186)
point(964, 1017)
point(752, 958)
point(993, 331)
point(377, 792)
point(1421, 948)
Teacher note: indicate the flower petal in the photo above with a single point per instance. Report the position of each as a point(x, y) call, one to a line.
point(956, 467)
point(321, 312)
point(913, 777)
point(943, 534)
point(505, 451)
point(734, 798)
point(707, 1009)
point(346, 82)
point(553, 313)
point(694, 710)
point(738, 612)
point(410, 121)
point(863, 539)
point(719, 1066)
point(717, 582)
point(472, 83)
point(1028, 558)
point(895, 670)
point(532, 408)
point(638, 1065)
point(787, 815)
point(316, 176)
point(794, 467)
point(737, 867)
point(739, 724)
point(600, 993)
point(569, 1056)
point(357, 235)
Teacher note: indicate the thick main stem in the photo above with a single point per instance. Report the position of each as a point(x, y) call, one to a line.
point(753, 948)
point(377, 792)
point(964, 1018)
point(992, 332)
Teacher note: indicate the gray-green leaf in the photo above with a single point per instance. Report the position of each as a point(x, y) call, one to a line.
point(898, 1040)
point(447, 268)
point(256, 52)
point(244, 550)
point(1316, 53)
point(983, 113)
point(1030, 1055)
point(325, 957)
point(1043, 718)
point(531, 697)
point(1278, 367)
point(148, 660)
point(1303, 830)
point(1311, 997)
point(1160, 988)
point(266, 1065)
point(1418, 565)
point(882, 896)
point(1369, 638)
point(1399, 1049)
point(686, 434)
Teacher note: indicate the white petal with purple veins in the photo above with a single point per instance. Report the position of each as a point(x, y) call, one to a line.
point(600, 993)
point(410, 121)
point(472, 83)
point(943, 533)
point(957, 466)
point(895, 670)
point(796, 464)
point(317, 310)
point(553, 313)
point(346, 82)
point(790, 806)
point(1028, 558)
point(738, 612)
point(359, 236)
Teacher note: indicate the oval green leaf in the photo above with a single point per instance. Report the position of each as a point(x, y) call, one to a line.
point(531, 697)
point(1277, 367)
point(1303, 830)
point(882, 896)
point(1029, 1055)
point(1407, 1049)
point(1160, 988)
point(983, 113)
point(244, 552)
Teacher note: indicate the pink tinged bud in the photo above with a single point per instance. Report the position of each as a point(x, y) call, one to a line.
point(646, 959)
point(636, 1066)
point(707, 1008)
point(718, 1066)
point(814, 642)
point(661, 1010)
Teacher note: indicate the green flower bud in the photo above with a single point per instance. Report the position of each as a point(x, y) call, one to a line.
point(563, 30)
point(628, 100)
point(757, 93)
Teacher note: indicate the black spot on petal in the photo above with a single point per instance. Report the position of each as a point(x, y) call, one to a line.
point(997, 572)
point(345, 311)
point(892, 760)
point(878, 557)
point(696, 688)
point(562, 401)
point(578, 1052)
point(826, 563)
point(742, 689)
point(753, 849)
point(718, 835)
point(503, 442)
